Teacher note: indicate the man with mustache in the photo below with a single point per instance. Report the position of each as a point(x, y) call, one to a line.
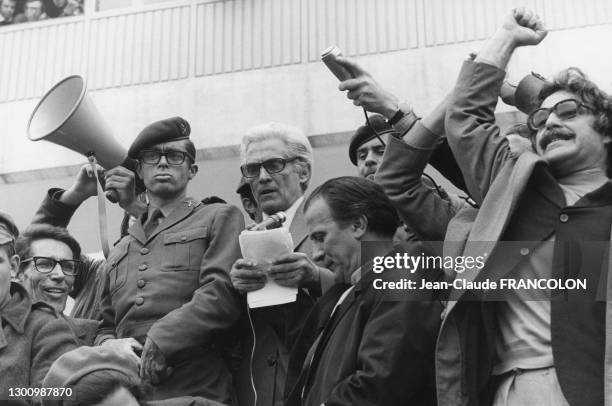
point(553, 207)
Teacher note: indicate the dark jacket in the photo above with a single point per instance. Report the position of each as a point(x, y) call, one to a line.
point(376, 349)
point(33, 336)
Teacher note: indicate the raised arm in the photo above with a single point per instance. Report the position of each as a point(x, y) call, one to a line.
point(470, 124)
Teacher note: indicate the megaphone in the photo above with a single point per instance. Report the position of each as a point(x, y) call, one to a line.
point(68, 117)
point(523, 96)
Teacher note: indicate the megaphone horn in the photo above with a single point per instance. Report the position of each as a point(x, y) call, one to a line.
point(68, 117)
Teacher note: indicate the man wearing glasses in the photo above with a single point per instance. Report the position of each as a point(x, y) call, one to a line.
point(33, 333)
point(555, 205)
point(277, 163)
point(167, 291)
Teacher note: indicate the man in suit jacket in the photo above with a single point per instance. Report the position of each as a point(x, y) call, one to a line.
point(377, 348)
point(167, 288)
point(513, 351)
point(277, 164)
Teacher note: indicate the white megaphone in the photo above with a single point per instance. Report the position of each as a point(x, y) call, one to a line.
point(68, 117)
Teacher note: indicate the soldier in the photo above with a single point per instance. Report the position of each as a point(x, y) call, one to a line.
point(167, 290)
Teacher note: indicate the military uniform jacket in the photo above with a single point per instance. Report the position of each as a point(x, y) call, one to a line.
point(174, 286)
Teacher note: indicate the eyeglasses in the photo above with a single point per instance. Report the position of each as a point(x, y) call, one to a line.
point(274, 165)
point(565, 110)
point(45, 265)
point(152, 157)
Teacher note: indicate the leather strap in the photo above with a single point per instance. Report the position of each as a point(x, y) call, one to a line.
point(101, 208)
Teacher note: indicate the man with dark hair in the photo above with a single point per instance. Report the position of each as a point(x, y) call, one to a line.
point(167, 288)
point(49, 263)
point(366, 149)
point(33, 334)
point(556, 204)
point(33, 10)
point(7, 11)
point(50, 267)
point(248, 200)
point(377, 347)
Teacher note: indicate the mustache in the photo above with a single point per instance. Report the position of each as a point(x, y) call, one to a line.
point(554, 134)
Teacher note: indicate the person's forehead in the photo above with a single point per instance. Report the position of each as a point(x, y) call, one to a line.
point(50, 248)
point(318, 213)
point(558, 96)
point(266, 148)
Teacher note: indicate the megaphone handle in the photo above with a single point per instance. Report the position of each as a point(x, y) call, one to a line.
point(101, 209)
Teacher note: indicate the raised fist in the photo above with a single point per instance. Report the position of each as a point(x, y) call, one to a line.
point(525, 27)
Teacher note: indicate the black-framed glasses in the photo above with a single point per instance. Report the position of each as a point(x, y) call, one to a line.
point(152, 157)
point(45, 265)
point(565, 110)
point(273, 165)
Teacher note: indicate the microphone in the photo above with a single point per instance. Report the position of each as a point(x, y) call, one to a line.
point(274, 221)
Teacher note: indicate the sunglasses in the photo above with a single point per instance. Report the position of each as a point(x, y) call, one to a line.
point(565, 110)
point(45, 265)
point(274, 165)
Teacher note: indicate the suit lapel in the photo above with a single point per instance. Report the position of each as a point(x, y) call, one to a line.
point(331, 325)
point(298, 229)
point(493, 216)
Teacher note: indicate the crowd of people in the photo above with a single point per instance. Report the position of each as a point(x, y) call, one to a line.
point(24, 11)
point(164, 320)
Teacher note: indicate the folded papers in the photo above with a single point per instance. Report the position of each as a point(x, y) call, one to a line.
point(262, 247)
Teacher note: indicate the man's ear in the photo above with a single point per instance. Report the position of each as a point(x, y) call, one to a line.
point(15, 262)
point(359, 227)
point(193, 170)
point(304, 172)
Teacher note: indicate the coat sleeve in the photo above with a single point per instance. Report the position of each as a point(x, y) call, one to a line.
point(420, 207)
point(472, 133)
point(395, 356)
point(215, 305)
point(54, 212)
point(51, 338)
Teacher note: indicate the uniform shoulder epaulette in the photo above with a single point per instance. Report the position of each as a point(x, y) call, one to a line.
point(213, 199)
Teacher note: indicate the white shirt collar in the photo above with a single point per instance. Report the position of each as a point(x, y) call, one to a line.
point(290, 212)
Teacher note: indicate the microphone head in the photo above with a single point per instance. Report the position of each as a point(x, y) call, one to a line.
point(282, 217)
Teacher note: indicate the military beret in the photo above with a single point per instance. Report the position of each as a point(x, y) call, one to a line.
point(365, 134)
point(242, 186)
point(8, 230)
point(74, 365)
point(170, 129)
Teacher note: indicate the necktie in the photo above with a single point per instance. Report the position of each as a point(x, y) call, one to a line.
point(152, 222)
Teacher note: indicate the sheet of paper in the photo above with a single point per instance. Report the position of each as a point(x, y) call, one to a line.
point(262, 247)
